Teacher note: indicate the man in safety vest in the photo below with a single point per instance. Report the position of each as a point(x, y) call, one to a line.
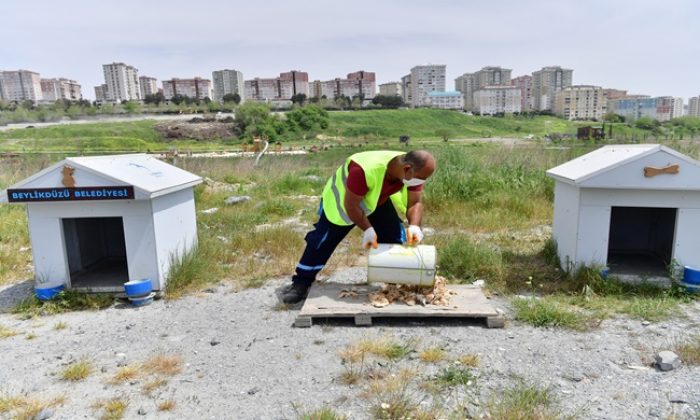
point(369, 191)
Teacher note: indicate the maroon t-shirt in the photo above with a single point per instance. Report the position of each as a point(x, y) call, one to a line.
point(357, 183)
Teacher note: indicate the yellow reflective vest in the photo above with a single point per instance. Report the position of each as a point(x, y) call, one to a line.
point(374, 164)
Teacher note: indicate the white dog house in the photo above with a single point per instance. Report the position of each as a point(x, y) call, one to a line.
point(98, 222)
point(632, 208)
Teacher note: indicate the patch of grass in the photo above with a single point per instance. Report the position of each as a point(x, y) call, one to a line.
point(60, 325)
point(26, 408)
point(167, 405)
point(150, 386)
point(76, 371)
point(324, 413)
point(524, 402)
point(65, 301)
point(455, 376)
point(392, 397)
point(7, 332)
point(387, 348)
point(466, 261)
point(432, 355)
point(689, 350)
point(196, 268)
point(469, 359)
point(353, 360)
point(546, 312)
point(124, 374)
point(30, 336)
point(112, 409)
point(164, 365)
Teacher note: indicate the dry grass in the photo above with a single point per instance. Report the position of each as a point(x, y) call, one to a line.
point(60, 326)
point(164, 365)
point(124, 374)
point(432, 355)
point(7, 332)
point(393, 397)
point(469, 359)
point(76, 371)
point(324, 413)
point(386, 347)
point(150, 386)
point(26, 408)
point(112, 409)
point(167, 405)
point(30, 336)
point(689, 350)
point(525, 401)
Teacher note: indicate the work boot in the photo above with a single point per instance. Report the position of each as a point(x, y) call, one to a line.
point(295, 293)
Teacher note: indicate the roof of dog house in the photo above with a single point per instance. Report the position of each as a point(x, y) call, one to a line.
point(602, 168)
point(97, 222)
point(149, 176)
point(632, 208)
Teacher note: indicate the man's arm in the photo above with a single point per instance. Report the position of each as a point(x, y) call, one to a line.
point(355, 213)
point(414, 213)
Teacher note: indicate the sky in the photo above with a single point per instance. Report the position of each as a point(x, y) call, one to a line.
point(644, 46)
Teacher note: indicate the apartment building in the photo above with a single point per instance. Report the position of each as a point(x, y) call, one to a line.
point(582, 102)
point(53, 90)
point(365, 82)
point(196, 88)
point(492, 100)
point(468, 83)
point(546, 83)
point(694, 106)
point(425, 79)
point(148, 86)
point(525, 85)
point(20, 85)
point(445, 100)
point(611, 94)
point(661, 109)
point(101, 93)
point(280, 88)
point(668, 108)
point(228, 82)
point(122, 82)
point(406, 89)
point(391, 89)
point(360, 84)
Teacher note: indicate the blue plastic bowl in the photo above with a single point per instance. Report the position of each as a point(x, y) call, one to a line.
point(138, 288)
point(143, 300)
point(691, 276)
point(47, 293)
point(692, 288)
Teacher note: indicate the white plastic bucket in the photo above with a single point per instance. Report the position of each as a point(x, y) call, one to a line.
point(399, 264)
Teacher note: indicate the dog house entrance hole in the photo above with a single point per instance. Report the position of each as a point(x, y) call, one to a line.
point(641, 240)
point(96, 252)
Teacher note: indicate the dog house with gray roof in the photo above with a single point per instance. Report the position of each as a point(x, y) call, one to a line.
point(632, 208)
point(98, 222)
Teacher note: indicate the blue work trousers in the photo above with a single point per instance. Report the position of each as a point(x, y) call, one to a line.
point(322, 241)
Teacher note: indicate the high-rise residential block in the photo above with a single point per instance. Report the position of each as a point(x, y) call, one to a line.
point(668, 108)
point(391, 89)
point(493, 100)
point(580, 102)
point(366, 82)
point(196, 88)
point(525, 85)
point(122, 82)
point(280, 88)
point(101, 93)
point(662, 108)
point(546, 83)
point(227, 82)
point(360, 84)
point(468, 83)
point(315, 89)
point(20, 85)
point(445, 100)
point(59, 89)
point(406, 89)
point(611, 94)
point(694, 106)
point(148, 86)
point(425, 79)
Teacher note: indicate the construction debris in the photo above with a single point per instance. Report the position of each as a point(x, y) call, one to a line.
point(437, 295)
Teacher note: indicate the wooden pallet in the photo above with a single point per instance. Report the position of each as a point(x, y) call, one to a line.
point(324, 302)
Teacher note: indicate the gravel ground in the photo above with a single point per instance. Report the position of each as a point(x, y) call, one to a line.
point(243, 359)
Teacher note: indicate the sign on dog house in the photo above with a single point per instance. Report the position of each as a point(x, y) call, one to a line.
point(98, 222)
point(632, 208)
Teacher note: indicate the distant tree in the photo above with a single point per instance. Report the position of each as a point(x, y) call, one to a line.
point(612, 117)
point(232, 97)
point(387, 101)
point(646, 123)
point(307, 118)
point(154, 98)
point(131, 107)
point(299, 98)
point(444, 133)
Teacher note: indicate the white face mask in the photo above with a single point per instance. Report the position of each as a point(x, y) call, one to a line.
point(413, 182)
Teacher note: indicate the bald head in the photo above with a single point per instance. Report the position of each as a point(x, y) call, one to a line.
point(422, 162)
